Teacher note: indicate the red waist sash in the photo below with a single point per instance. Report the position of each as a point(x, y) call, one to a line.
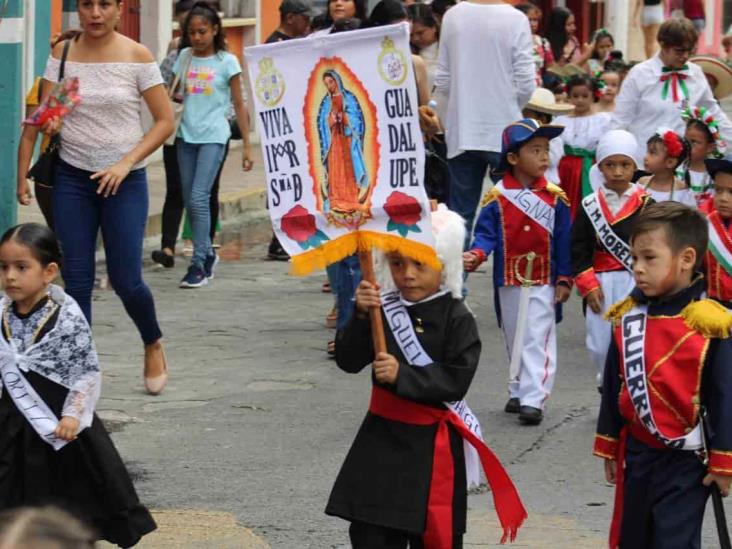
point(438, 532)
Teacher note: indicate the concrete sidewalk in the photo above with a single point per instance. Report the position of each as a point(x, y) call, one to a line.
point(240, 191)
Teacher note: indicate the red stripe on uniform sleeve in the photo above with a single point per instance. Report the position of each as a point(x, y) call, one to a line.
point(586, 282)
point(605, 447)
point(720, 463)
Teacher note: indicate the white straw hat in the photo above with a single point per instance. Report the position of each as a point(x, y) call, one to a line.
point(543, 100)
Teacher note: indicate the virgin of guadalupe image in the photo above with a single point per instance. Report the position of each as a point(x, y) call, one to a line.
point(341, 128)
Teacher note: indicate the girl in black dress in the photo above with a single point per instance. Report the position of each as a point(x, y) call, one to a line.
point(49, 369)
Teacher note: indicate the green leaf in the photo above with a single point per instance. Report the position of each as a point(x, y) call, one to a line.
point(304, 245)
point(415, 228)
point(403, 230)
point(321, 236)
point(391, 226)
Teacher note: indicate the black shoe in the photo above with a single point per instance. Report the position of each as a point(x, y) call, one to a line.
point(513, 406)
point(161, 258)
point(276, 252)
point(528, 415)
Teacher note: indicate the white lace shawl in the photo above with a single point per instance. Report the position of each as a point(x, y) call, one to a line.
point(65, 355)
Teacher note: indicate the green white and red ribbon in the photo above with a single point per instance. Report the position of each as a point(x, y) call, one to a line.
point(674, 79)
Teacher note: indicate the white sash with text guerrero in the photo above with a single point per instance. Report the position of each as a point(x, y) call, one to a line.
point(401, 327)
point(633, 332)
point(528, 202)
point(615, 245)
point(26, 399)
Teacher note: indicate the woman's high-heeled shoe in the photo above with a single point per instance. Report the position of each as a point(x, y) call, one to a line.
point(155, 385)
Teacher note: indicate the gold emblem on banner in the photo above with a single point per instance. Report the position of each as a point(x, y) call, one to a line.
point(392, 63)
point(270, 84)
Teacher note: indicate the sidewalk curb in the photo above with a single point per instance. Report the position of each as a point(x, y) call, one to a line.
point(250, 202)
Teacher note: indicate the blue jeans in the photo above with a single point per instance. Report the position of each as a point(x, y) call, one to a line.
point(79, 213)
point(467, 172)
point(348, 277)
point(199, 163)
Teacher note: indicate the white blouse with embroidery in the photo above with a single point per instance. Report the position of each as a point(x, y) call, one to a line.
point(107, 124)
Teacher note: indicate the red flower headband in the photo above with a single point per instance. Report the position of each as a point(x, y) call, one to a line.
point(674, 146)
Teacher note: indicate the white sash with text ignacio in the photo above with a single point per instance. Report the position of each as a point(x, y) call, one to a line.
point(532, 205)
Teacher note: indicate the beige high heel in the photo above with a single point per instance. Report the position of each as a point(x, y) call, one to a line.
point(155, 385)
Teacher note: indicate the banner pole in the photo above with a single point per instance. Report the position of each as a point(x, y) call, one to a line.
point(366, 259)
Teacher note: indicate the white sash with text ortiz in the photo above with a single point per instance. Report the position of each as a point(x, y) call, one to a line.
point(615, 245)
point(633, 332)
point(528, 202)
point(401, 327)
point(28, 401)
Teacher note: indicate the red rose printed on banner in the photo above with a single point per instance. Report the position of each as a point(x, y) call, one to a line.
point(404, 213)
point(299, 225)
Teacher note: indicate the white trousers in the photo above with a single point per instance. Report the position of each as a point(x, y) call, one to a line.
point(539, 352)
point(616, 286)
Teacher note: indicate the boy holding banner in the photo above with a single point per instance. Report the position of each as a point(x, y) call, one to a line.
point(668, 370)
point(404, 479)
point(601, 257)
point(718, 259)
point(525, 220)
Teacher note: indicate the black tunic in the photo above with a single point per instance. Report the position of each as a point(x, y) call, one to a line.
point(585, 243)
point(86, 477)
point(385, 479)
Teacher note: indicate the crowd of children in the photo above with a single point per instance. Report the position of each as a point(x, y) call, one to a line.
point(648, 248)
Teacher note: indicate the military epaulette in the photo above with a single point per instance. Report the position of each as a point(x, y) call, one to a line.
point(557, 191)
point(708, 318)
point(616, 312)
point(489, 197)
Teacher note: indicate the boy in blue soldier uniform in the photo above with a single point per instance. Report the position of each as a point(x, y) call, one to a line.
point(670, 355)
point(525, 220)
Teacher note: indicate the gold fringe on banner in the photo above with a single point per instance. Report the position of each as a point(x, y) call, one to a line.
point(361, 241)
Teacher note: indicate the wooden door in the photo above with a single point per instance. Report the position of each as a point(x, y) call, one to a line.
point(129, 24)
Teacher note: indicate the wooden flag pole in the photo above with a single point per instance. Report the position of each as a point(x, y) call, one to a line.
point(366, 259)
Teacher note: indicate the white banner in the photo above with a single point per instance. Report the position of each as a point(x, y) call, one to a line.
point(343, 152)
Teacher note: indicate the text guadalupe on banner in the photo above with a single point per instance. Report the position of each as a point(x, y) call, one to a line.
point(342, 148)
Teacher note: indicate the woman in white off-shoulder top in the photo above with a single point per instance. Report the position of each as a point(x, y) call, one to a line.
point(100, 180)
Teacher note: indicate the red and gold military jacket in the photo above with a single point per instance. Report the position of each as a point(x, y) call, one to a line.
point(688, 354)
point(510, 234)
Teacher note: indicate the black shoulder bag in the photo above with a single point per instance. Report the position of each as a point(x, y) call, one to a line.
point(42, 171)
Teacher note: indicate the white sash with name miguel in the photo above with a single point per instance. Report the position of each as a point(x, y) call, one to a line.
point(26, 399)
point(528, 202)
point(633, 332)
point(615, 245)
point(401, 327)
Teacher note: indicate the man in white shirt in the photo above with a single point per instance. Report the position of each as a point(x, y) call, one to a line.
point(656, 91)
point(485, 76)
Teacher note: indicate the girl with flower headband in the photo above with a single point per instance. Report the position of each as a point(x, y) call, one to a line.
point(666, 151)
point(608, 85)
point(705, 138)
